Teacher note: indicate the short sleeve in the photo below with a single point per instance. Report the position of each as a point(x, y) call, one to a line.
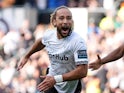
point(80, 52)
point(46, 36)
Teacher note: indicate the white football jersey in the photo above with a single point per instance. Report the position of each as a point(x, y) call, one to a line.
point(65, 54)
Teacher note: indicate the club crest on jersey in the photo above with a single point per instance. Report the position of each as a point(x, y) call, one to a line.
point(82, 54)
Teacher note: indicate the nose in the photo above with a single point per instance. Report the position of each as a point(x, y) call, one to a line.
point(65, 20)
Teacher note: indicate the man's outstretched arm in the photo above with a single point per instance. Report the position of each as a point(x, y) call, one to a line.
point(114, 55)
point(37, 46)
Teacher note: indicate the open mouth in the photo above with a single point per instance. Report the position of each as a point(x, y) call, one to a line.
point(64, 31)
point(65, 28)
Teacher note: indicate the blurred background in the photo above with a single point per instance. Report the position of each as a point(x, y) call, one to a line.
point(99, 22)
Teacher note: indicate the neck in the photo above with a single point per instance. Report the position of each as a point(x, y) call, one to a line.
point(59, 36)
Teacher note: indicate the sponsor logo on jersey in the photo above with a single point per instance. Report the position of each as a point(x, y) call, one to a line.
point(82, 54)
point(58, 57)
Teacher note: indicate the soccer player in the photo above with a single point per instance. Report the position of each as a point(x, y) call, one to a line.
point(114, 55)
point(67, 52)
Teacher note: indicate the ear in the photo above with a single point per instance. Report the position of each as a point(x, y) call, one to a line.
point(54, 23)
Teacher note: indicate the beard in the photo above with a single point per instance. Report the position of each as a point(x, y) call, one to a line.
point(64, 29)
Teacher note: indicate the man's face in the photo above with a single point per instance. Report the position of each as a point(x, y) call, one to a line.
point(63, 22)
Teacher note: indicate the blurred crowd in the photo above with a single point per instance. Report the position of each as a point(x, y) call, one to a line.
point(102, 38)
point(49, 4)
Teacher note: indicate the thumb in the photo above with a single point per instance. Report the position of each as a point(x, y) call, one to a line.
point(99, 58)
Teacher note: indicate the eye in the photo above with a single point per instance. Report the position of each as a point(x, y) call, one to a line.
point(69, 17)
point(61, 18)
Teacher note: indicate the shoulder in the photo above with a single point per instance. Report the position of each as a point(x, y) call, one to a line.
point(48, 33)
point(77, 41)
point(76, 37)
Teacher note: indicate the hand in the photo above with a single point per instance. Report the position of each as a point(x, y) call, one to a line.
point(47, 83)
point(22, 62)
point(96, 64)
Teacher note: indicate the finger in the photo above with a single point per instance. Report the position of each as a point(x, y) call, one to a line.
point(43, 86)
point(46, 89)
point(43, 77)
point(92, 69)
point(91, 65)
point(43, 89)
point(18, 68)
